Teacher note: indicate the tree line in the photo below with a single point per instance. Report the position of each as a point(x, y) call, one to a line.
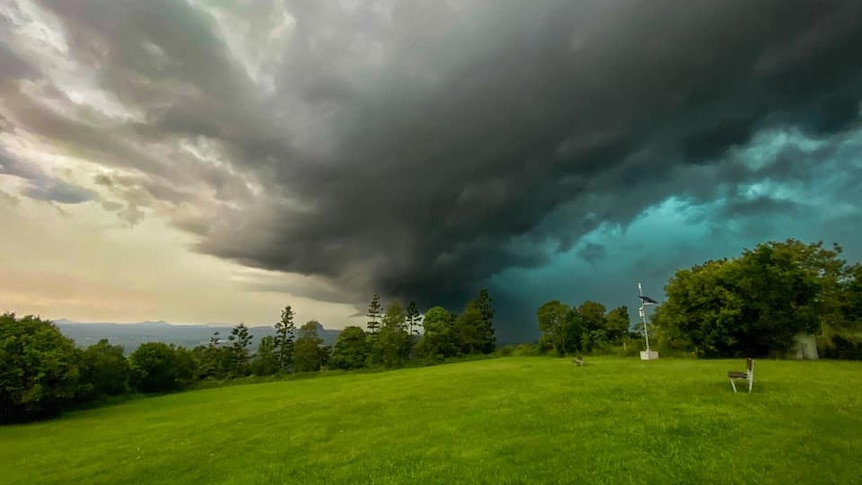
point(43, 372)
point(750, 305)
point(753, 305)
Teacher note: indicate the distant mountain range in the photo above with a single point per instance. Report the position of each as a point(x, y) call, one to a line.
point(132, 335)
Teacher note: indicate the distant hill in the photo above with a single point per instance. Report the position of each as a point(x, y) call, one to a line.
point(132, 335)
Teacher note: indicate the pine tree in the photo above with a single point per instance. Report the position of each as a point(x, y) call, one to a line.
point(240, 340)
point(485, 334)
point(375, 310)
point(413, 319)
point(284, 333)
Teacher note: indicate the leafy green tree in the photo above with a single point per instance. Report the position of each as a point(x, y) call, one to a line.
point(39, 369)
point(351, 349)
point(265, 361)
point(749, 306)
point(414, 320)
point(828, 270)
point(325, 356)
point(284, 335)
point(105, 368)
point(392, 345)
point(439, 340)
point(240, 340)
point(592, 316)
point(851, 296)
point(214, 361)
point(307, 356)
point(186, 365)
point(617, 323)
point(469, 328)
point(554, 322)
point(375, 309)
point(155, 368)
point(487, 337)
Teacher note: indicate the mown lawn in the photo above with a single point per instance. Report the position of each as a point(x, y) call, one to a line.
point(511, 420)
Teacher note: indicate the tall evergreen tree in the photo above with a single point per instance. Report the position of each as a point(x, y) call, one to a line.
point(240, 340)
point(414, 321)
point(375, 310)
point(284, 333)
point(487, 338)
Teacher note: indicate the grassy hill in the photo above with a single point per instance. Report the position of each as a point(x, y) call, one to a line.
point(513, 420)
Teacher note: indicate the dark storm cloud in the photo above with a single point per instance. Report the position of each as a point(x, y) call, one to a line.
point(592, 252)
point(418, 150)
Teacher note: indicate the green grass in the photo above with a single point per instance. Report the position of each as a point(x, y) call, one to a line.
point(512, 420)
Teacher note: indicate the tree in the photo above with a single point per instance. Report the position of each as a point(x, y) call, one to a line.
point(414, 321)
point(438, 340)
point(487, 338)
point(265, 361)
point(284, 333)
point(555, 324)
point(470, 330)
point(325, 356)
point(392, 345)
point(39, 369)
point(577, 332)
point(851, 295)
point(105, 368)
point(240, 340)
point(374, 313)
point(595, 327)
point(617, 322)
point(752, 305)
point(307, 354)
point(214, 361)
point(351, 349)
point(155, 367)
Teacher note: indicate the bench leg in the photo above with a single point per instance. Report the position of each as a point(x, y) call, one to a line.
point(733, 384)
point(750, 384)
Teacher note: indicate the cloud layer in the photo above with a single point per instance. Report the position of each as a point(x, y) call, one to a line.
point(421, 149)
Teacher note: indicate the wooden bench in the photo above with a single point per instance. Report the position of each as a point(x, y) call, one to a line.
point(747, 375)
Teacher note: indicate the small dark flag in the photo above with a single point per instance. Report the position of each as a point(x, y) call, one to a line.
point(647, 300)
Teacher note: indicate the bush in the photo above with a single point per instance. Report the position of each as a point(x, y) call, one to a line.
point(39, 369)
point(841, 347)
point(158, 367)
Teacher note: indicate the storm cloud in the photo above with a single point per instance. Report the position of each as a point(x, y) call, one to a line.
point(420, 149)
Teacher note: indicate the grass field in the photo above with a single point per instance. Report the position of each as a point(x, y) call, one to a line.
point(511, 420)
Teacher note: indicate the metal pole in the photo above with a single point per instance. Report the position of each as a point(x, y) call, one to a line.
point(643, 316)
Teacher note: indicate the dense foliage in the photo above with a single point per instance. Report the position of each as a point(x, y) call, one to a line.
point(41, 369)
point(755, 304)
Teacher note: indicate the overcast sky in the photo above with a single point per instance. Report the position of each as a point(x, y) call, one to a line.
point(212, 161)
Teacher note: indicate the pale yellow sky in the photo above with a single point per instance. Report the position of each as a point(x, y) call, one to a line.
point(80, 262)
